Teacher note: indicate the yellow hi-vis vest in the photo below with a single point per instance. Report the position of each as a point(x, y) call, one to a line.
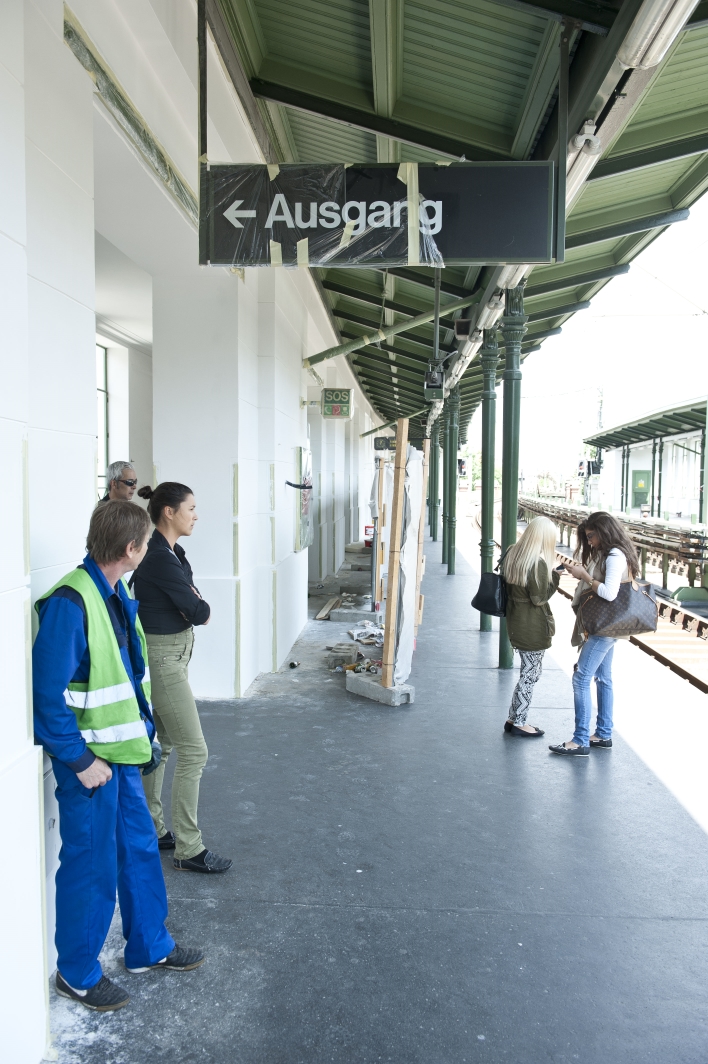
point(106, 707)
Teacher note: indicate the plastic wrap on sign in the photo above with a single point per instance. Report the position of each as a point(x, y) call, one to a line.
point(319, 215)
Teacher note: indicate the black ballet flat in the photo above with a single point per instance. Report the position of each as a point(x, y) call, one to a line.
point(513, 730)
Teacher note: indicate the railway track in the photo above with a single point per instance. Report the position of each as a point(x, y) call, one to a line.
point(680, 641)
point(681, 638)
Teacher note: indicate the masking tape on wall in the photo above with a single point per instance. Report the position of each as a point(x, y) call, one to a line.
point(408, 174)
point(303, 252)
point(273, 171)
point(276, 253)
point(347, 235)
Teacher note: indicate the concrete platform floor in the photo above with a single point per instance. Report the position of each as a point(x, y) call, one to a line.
point(413, 886)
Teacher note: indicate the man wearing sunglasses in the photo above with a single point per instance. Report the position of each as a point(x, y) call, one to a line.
point(121, 482)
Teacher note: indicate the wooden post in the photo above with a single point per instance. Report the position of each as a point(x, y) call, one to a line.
point(421, 539)
point(394, 554)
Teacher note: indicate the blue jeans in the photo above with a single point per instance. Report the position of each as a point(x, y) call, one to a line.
point(107, 841)
point(595, 660)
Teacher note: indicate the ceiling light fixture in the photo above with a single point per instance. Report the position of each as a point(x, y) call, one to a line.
point(655, 28)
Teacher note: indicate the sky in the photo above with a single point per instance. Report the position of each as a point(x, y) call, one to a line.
point(643, 343)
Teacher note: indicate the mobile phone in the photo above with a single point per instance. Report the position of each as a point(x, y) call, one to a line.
point(560, 568)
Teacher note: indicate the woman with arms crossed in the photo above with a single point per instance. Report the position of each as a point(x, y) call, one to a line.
point(607, 558)
point(169, 605)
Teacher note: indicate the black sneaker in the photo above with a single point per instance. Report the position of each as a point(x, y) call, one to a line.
point(602, 744)
point(105, 996)
point(570, 751)
point(206, 861)
point(182, 959)
point(167, 841)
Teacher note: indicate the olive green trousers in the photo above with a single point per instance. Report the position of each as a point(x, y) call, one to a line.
point(178, 729)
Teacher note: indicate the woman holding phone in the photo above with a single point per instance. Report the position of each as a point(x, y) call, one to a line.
point(605, 557)
point(531, 580)
point(169, 606)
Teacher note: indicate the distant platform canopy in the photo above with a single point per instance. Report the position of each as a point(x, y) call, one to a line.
point(691, 417)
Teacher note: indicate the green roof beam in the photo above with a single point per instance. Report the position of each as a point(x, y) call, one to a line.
point(683, 148)
point(559, 312)
point(379, 125)
point(426, 280)
point(578, 280)
point(637, 225)
point(386, 35)
point(591, 17)
point(377, 301)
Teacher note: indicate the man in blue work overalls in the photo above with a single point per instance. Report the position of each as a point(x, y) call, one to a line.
point(92, 715)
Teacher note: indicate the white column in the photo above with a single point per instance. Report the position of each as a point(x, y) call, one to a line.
point(23, 1017)
point(195, 424)
point(62, 330)
point(140, 406)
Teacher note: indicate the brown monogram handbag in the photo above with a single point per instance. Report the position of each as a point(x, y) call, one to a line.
point(632, 612)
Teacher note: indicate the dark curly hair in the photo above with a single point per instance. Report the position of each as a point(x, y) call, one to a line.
point(610, 534)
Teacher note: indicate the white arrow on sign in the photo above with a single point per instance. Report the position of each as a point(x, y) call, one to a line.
point(233, 214)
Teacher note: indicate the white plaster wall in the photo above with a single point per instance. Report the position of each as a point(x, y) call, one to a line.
point(118, 381)
point(227, 354)
point(60, 252)
point(224, 392)
point(140, 413)
point(23, 1019)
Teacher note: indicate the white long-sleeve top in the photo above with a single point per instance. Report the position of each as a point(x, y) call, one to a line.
point(615, 565)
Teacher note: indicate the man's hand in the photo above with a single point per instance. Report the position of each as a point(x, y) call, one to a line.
point(96, 775)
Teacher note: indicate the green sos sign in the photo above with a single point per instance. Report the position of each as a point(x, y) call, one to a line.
point(337, 402)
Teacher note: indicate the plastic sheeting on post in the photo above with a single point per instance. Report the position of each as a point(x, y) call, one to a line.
point(408, 578)
point(324, 215)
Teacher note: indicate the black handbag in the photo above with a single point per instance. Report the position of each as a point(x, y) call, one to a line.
point(491, 594)
point(633, 611)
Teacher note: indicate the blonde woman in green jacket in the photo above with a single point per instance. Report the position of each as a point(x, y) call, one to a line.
point(529, 571)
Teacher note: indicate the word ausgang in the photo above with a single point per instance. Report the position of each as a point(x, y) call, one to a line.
point(357, 213)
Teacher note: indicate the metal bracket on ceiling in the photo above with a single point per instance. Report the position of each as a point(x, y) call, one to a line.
point(202, 126)
point(564, 64)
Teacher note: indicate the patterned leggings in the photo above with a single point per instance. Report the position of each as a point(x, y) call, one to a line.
point(531, 665)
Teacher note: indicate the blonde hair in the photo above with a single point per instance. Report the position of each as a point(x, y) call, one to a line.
point(537, 543)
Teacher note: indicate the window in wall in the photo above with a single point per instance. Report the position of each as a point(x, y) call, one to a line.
point(102, 420)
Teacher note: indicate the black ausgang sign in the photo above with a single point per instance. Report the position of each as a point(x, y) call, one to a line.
point(385, 215)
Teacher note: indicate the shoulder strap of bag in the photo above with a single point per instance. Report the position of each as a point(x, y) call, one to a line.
point(497, 567)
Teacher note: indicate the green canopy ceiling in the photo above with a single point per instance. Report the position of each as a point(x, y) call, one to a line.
point(361, 81)
point(691, 417)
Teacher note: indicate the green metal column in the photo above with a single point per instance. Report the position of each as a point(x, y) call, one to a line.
point(446, 477)
point(453, 434)
point(434, 479)
point(489, 357)
point(513, 329)
point(660, 480)
point(704, 494)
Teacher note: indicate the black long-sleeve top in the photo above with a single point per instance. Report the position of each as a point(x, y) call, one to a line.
point(163, 584)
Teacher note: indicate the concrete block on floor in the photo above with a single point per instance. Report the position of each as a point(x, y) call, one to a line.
point(362, 683)
point(349, 615)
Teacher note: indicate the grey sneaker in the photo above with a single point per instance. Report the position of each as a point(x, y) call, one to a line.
point(206, 861)
point(182, 959)
point(105, 996)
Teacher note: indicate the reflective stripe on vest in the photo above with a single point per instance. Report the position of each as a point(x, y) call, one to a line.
point(103, 696)
point(119, 733)
point(106, 706)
